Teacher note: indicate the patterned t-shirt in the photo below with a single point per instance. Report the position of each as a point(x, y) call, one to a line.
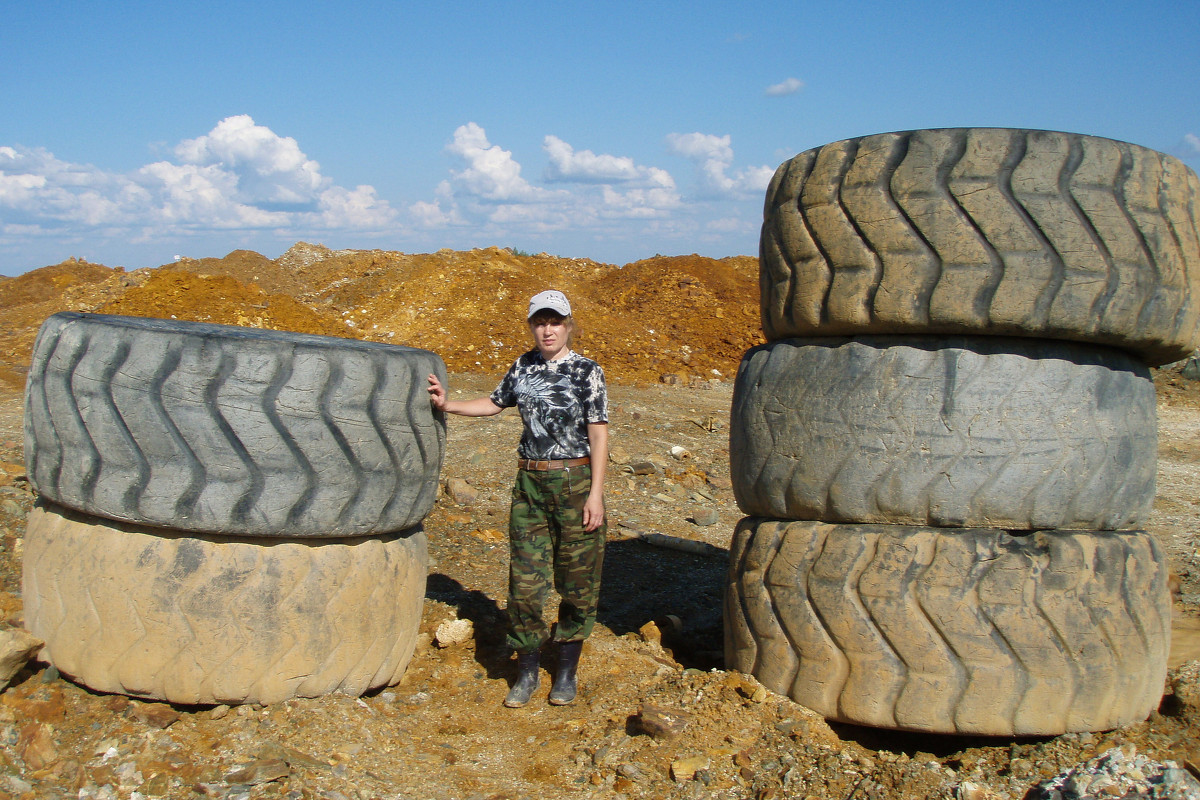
point(557, 400)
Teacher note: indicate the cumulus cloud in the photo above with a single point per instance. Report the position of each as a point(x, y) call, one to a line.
point(239, 175)
point(269, 169)
point(491, 172)
point(585, 166)
point(490, 190)
point(789, 86)
point(1190, 146)
point(712, 156)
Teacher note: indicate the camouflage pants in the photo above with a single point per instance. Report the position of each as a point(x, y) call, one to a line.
point(547, 543)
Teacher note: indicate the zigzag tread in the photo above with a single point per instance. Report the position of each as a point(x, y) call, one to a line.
point(210, 429)
point(947, 632)
point(954, 432)
point(960, 249)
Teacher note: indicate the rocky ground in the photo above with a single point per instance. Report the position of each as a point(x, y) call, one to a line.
point(658, 716)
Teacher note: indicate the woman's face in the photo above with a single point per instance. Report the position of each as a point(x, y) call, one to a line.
point(551, 334)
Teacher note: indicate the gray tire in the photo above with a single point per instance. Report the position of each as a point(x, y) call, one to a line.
point(190, 619)
point(238, 431)
point(985, 231)
point(963, 632)
point(944, 431)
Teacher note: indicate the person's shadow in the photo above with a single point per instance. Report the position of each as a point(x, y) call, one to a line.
point(489, 621)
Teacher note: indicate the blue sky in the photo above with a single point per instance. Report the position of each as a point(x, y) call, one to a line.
point(131, 133)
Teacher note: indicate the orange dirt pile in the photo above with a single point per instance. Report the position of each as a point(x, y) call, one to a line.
point(686, 316)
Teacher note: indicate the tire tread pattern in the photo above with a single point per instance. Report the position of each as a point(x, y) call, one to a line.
point(985, 231)
point(944, 431)
point(967, 632)
point(226, 430)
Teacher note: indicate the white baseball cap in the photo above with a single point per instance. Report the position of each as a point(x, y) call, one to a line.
point(555, 301)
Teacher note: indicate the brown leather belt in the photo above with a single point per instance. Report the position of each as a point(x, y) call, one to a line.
point(542, 466)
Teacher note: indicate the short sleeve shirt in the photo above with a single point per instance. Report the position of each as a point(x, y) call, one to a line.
point(557, 401)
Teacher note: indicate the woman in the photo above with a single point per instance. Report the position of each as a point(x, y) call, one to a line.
point(556, 521)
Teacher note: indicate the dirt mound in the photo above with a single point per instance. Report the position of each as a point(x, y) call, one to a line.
point(684, 315)
point(176, 294)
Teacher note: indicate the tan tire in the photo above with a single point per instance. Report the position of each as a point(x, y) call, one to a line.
point(963, 632)
point(985, 231)
point(185, 619)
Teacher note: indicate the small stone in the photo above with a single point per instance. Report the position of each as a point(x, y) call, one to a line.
point(662, 723)
point(489, 534)
point(156, 715)
point(454, 632)
point(117, 703)
point(258, 772)
point(218, 712)
point(16, 648)
point(705, 517)
point(644, 468)
point(685, 769)
point(970, 791)
point(631, 772)
point(17, 786)
point(461, 492)
point(276, 752)
point(651, 634)
point(36, 745)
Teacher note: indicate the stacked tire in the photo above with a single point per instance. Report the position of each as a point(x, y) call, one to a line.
point(226, 514)
point(947, 447)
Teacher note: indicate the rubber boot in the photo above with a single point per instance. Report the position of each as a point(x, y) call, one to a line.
point(563, 690)
point(527, 680)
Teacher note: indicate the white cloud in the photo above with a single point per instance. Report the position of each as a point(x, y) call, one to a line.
point(584, 166)
point(784, 88)
point(491, 173)
point(354, 208)
point(1190, 148)
point(238, 176)
point(270, 169)
point(490, 191)
point(712, 157)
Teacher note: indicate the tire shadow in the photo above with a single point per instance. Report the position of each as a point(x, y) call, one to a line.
point(681, 593)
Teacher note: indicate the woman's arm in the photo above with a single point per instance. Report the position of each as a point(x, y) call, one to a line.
point(593, 507)
point(479, 407)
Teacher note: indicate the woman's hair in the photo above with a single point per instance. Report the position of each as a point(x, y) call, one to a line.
point(550, 315)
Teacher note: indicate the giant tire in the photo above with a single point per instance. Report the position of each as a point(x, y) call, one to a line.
point(962, 632)
point(190, 619)
point(229, 430)
point(985, 231)
point(944, 431)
